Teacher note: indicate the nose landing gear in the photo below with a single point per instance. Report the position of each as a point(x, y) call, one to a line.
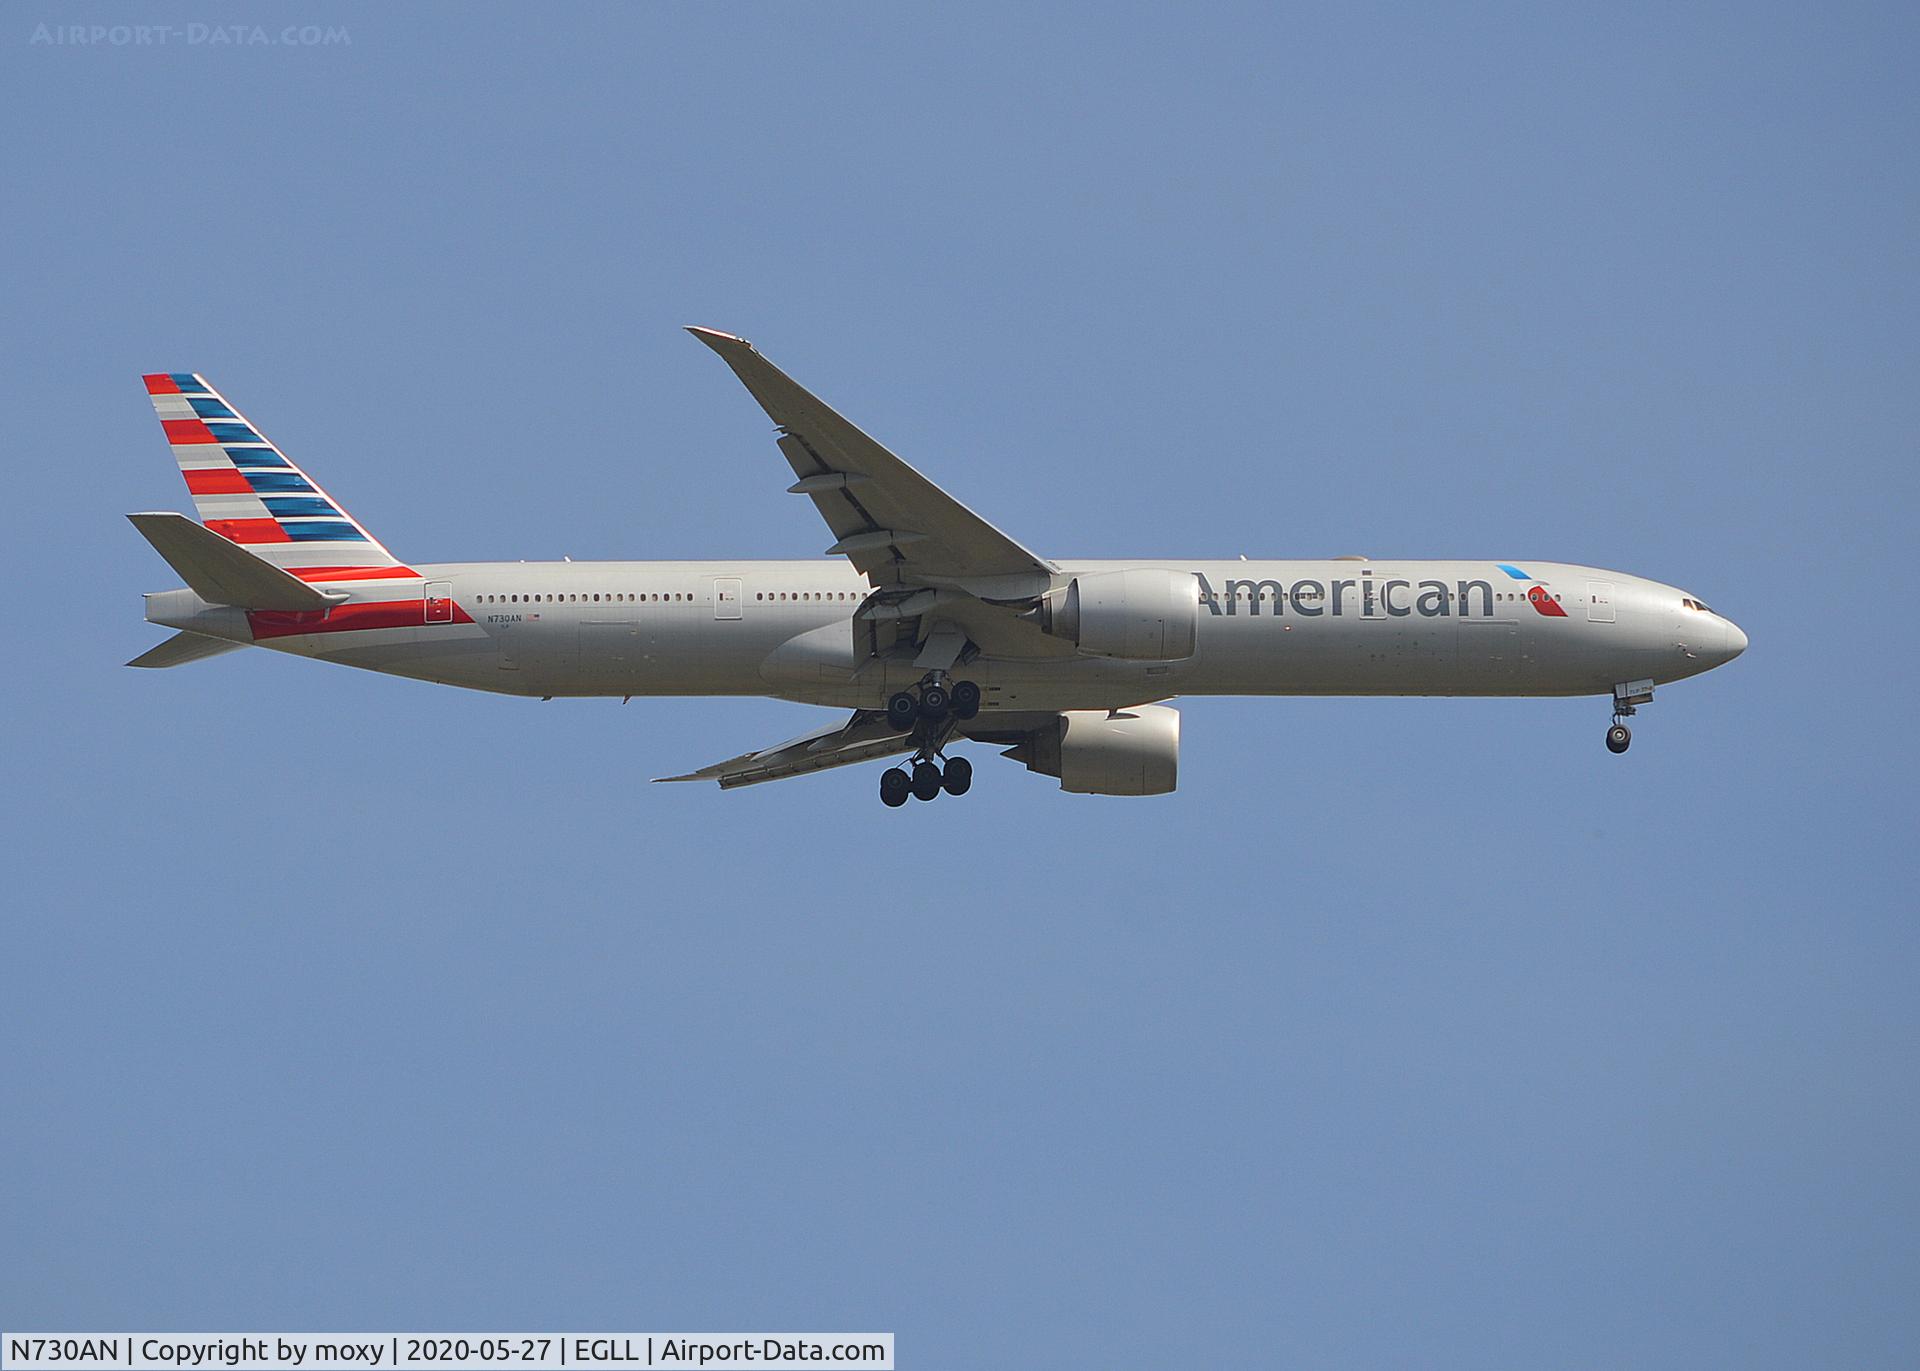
point(1627, 697)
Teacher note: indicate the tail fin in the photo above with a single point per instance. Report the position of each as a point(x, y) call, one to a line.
point(249, 493)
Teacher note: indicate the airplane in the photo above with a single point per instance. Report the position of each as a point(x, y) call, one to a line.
point(925, 622)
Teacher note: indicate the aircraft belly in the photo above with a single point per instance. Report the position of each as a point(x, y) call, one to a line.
point(1266, 655)
point(677, 651)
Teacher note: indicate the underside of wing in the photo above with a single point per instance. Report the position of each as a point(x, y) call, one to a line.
point(862, 738)
point(895, 525)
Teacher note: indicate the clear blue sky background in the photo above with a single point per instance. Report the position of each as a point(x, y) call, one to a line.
point(1407, 1033)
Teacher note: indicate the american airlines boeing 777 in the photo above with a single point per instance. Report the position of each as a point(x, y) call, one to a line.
point(926, 622)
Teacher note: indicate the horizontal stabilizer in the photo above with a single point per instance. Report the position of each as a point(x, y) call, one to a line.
point(184, 647)
point(222, 572)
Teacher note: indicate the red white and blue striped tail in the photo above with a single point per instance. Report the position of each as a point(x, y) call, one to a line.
point(247, 491)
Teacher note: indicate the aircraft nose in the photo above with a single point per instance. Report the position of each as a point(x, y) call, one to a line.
point(1736, 641)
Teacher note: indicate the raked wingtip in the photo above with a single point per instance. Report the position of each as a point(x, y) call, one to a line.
point(715, 339)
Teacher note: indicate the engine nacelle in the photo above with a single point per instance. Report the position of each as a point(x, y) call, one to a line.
point(1147, 614)
point(1127, 752)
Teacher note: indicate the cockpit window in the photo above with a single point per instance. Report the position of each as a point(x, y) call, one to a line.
point(1695, 604)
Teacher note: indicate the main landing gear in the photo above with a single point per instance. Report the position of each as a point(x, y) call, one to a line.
point(1627, 697)
point(933, 703)
point(930, 713)
point(926, 780)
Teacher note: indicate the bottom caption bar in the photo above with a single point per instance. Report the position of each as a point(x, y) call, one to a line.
point(441, 1351)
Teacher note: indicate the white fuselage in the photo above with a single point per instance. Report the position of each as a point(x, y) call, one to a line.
point(787, 629)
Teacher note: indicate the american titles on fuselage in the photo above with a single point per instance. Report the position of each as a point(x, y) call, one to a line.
point(1390, 597)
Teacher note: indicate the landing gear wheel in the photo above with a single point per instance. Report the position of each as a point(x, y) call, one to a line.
point(934, 703)
point(957, 779)
point(966, 700)
point(902, 710)
point(926, 780)
point(1619, 737)
point(895, 786)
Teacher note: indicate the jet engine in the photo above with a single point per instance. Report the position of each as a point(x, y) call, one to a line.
point(1146, 614)
point(1096, 752)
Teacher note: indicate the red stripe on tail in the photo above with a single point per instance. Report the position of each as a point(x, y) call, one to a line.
point(186, 431)
point(217, 481)
point(249, 530)
point(353, 573)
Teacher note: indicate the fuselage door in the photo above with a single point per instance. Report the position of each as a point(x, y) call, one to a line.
point(726, 597)
point(439, 595)
point(1600, 602)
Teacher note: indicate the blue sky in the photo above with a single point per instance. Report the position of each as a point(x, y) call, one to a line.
point(1408, 1032)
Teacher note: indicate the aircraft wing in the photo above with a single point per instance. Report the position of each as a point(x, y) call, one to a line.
point(895, 525)
point(862, 738)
